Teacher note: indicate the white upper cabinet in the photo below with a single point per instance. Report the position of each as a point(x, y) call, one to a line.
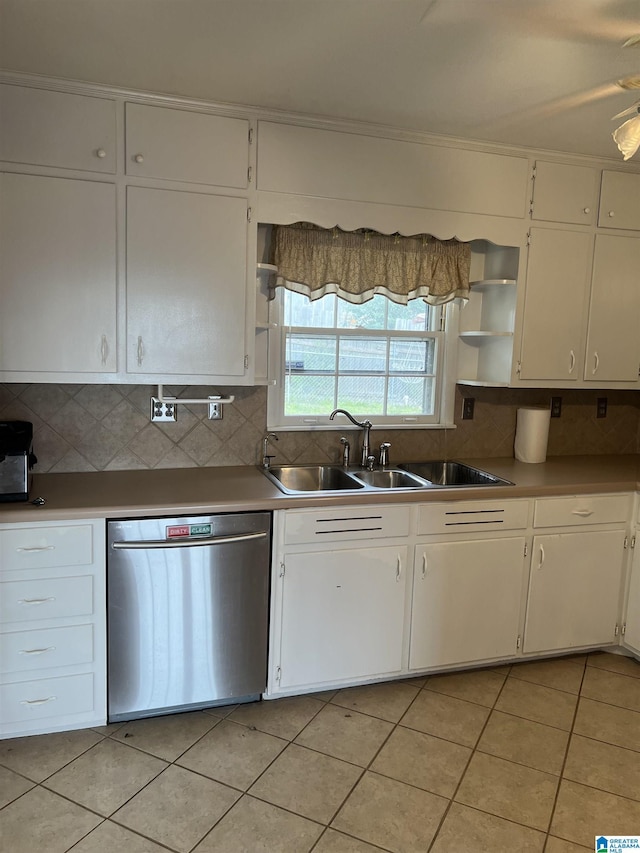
point(186, 283)
point(57, 129)
point(181, 145)
point(555, 304)
point(57, 276)
point(355, 167)
point(620, 201)
point(613, 337)
point(564, 193)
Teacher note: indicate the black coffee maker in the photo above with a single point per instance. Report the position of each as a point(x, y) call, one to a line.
point(16, 460)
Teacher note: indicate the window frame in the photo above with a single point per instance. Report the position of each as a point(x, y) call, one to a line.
point(446, 350)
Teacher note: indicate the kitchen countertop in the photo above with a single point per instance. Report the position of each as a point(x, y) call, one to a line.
point(192, 491)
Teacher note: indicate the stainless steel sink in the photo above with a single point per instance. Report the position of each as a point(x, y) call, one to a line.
point(390, 479)
point(443, 473)
point(311, 478)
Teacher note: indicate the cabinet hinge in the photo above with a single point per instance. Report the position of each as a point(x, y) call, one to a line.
point(250, 174)
point(617, 631)
point(248, 214)
point(519, 368)
point(626, 542)
point(633, 541)
point(281, 575)
point(528, 238)
point(250, 136)
point(246, 362)
point(278, 674)
point(518, 642)
point(624, 628)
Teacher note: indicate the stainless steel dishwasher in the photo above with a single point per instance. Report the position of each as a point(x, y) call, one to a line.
point(187, 612)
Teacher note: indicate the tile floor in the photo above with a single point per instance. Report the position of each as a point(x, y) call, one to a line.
point(527, 758)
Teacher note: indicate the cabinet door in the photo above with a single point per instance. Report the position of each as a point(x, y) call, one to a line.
point(186, 283)
point(57, 275)
point(632, 618)
point(619, 201)
point(574, 590)
point(555, 304)
point(342, 615)
point(179, 145)
point(57, 129)
point(613, 338)
point(466, 601)
point(564, 193)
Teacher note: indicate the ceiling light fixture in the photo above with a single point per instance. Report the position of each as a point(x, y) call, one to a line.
point(627, 136)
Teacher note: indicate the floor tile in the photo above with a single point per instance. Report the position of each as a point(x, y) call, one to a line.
point(109, 729)
point(615, 663)
point(601, 765)
point(166, 737)
point(608, 723)
point(509, 790)
point(111, 838)
point(558, 845)
point(233, 754)
point(42, 821)
point(345, 734)
point(253, 826)
point(12, 786)
point(307, 783)
point(466, 829)
point(419, 759)
point(280, 717)
point(537, 703)
point(612, 688)
point(480, 686)
point(221, 711)
point(392, 815)
point(106, 776)
point(525, 742)
point(561, 674)
point(387, 701)
point(38, 756)
point(446, 717)
point(177, 809)
point(337, 842)
point(582, 813)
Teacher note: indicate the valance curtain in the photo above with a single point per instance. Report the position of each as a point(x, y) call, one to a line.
point(357, 265)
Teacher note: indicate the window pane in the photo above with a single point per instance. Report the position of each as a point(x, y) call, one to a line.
point(309, 395)
point(300, 311)
point(311, 353)
point(407, 356)
point(360, 354)
point(414, 317)
point(410, 395)
point(361, 394)
point(370, 315)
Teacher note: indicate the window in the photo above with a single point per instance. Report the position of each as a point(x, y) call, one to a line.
point(379, 359)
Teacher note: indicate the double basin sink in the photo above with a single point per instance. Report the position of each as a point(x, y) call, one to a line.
point(301, 479)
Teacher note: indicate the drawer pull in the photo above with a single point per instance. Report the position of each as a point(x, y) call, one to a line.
point(38, 701)
point(36, 651)
point(583, 513)
point(37, 549)
point(30, 601)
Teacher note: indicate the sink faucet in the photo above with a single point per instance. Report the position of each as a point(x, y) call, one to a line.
point(266, 459)
point(365, 426)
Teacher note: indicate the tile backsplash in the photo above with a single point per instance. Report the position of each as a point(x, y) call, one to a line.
point(107, 427)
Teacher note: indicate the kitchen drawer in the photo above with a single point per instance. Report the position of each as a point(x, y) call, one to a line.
point(346, 523)
point(46, 648)
point(581, 509)
point(44, 547)
point(38, 699)
point(472, 516)
point(46, 598)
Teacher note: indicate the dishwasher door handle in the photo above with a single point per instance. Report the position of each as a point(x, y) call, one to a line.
point(151, 544)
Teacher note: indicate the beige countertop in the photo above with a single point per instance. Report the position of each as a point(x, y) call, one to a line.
point(192, 491)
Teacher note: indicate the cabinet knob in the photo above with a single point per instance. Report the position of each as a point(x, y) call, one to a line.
point(101, 153)
point(612, 213)
point(587, 210)
point(139, 158)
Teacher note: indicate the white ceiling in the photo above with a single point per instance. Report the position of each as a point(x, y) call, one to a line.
point(538, 73)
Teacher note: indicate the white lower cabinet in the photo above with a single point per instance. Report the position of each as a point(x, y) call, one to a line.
point(631, 636)
point(466, 601)
point(52, 627)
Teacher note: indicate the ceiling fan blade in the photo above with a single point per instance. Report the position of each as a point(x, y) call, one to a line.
point(634, 41)
point(634, 108)
point(631, 82)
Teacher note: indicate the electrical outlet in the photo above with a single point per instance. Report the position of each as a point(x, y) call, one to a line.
point(163, 412)
point(215, 409)
point(601, 407)
point(556, 407)
point(468, 405)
